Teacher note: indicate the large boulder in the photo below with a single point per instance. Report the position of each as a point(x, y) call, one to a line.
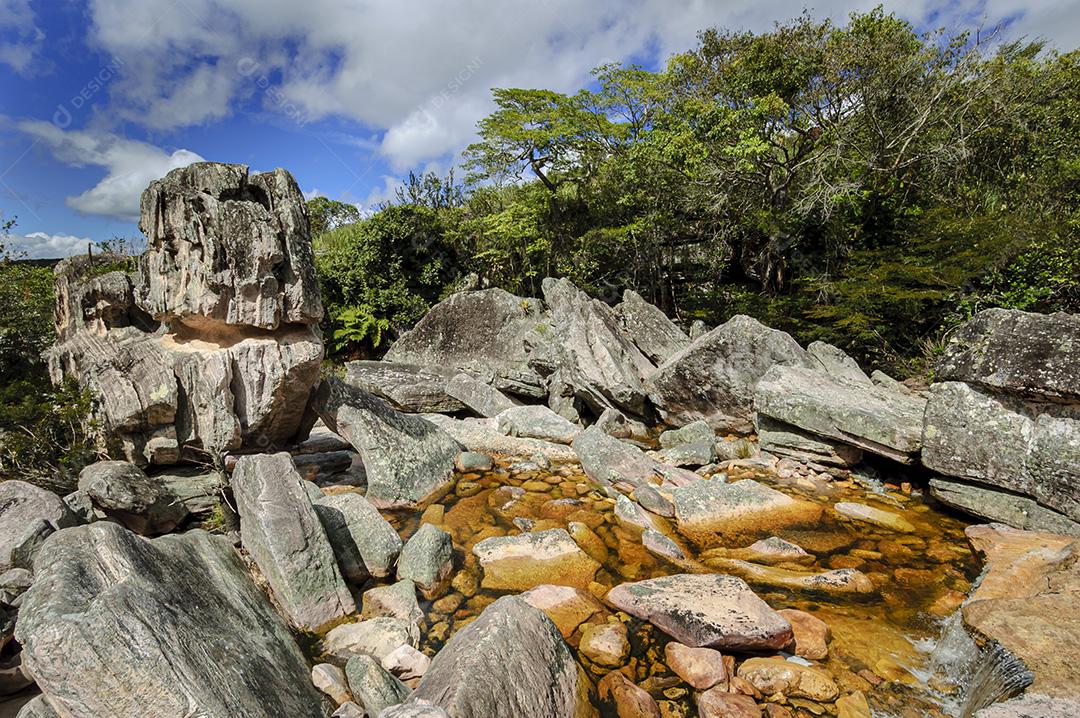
point(883, 422)
point(474, 394)
point(408, 460)
point(712, 513)
point(593, 357)
point(714, 377)
point(126, 494)
point(489, 333)
point(485, 437)
point(406, 387)
point(536, 421)
point(213, 343)
point(365, 542)
point(28, 515)
point(281, 530)
point(117, 626)
point(649, 328)
point(509, 662)
point(613, 462)
point(524, 561)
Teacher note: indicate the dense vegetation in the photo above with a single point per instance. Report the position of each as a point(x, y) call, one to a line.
point(863, 184)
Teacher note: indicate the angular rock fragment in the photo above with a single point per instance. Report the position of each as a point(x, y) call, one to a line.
point(518, 563)
point(375, 637)
point(649, 328)
point(474, 394)
point(126, 494)
point(28, 515)
point(537, 422)
point(397, 600)
point(836, 362)
point(372, 685)
point(364, 542)
point(406, 387)
point(427, 559)
point(610, 461)
point(625, 698)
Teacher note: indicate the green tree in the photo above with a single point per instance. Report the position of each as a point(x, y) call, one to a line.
point(326, 214)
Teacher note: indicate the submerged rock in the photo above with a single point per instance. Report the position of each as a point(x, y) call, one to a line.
point(408, 460)
point(702, 668)
point(126, 494)
point(709, 512)
point(705, 610)
point(776, 675)
point(117, 626)
point(566, 606)
point(875, 516)
point(28, 515)
point(627, 699)
point(518, 563)
point(427, 559)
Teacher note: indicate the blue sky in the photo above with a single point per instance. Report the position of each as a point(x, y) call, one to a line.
point(99, 97)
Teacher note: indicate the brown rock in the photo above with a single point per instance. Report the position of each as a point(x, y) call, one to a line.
point(853, 705)
point(716, 703)
point(605, 644)
point(702, 668)
point(776, 675)
point(628, 700)
point(811, 634)
point(566, 606)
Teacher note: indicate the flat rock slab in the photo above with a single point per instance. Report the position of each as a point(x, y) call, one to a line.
point(281, 530)
point(537, 422)
point(408, 460)
point(406, 387)
point(118, 626)
point(873, 515)
point(713, 512)
point(474, 394)
point(705, 610)
point(485, 437)
point(511, 661)
point(518, 563)
point(610, 461)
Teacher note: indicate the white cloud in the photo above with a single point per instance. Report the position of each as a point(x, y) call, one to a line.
point(421, 73)
point(40, 245)
point(130, 166)
point(23, 40)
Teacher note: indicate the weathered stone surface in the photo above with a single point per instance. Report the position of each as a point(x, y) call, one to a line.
point(786, 440)
point(776, 675)
point(511, 661)
point(605, 644)
point(363, 541)
point(537, 422)
point(372, 685)
point(1003, 442)
point(90, 301)
point(427, 559)
point(649, 328)
point(281, 530)
point(483, 436)
point(663, 547)
point(483, 399)
point(408, 460)
point(811, 634)
point(566, 606)
point(375, 637)
point(37, 707)
point(632, 517)
point(833, 360)
point(705, 610)
point(702, 668)
point(330, 679)
point(627, 699)
point(615, 423)
point(837, 582)
point(713, 512)
point(117, 626)
point(489, 332)
point(126, 494)
point(1032, 705)
point(518, 563)
point(406, 387)
point(1003, 506)
point(718, 703)
point(883, 422)
point(611, 461)
point(397, 600)
point(406, 663)
point(713, 379)
point(414, 710)
point(1021, 353)
point(873, 515)
point(28, 515)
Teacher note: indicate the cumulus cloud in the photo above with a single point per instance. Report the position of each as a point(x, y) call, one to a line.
point(41, 245)
point(421, 76)
point(21, 40)
point(130, 166)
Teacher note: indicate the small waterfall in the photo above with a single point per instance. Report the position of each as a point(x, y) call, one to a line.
point(999, 675)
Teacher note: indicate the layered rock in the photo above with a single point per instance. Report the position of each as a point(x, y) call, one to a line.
point(713, 379)
point(28, 516)
point(126, 494)
point(656, 336)
point(213, 343)
point(117, 626)
point(406, 387)
point(613, 462)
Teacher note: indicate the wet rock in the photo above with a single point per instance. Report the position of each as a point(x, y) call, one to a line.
point(474, 394)
point(650, 499)
point(587, 539)
point(375, 637)
point(406, 663)
point(427, 559)
point(649, 328)
point(406, 387)
point(566, 606)
point(397, 600)
point(834, 361)
point(782, 439)
point(470, 461)
point(511, 661)
point(28, 515)
point(773, 550)
point(702, 668)
point(330, 679)
point(127, 495)
point(838, 582)
point(484, 436)
point(363, 541)
point(811, 634)
point(718, 703)
point(853, 705)
point(605, 644)
point(487, 333)
point(281, 531)
point(710, 610)
point(880, 421)
point(408, 460)
point(632, 517)
point(713, 379)
point(627, 699)
point(709, 512)
point(518, 563)
point(608, 461)
point(537, 422)
point(875, 516)
point(373, 686)
point(776, 675)
point(117, 626)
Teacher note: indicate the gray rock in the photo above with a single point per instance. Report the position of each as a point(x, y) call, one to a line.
point(617, 424)
point(474, 394)
point(1000, 505)
point(330, 679)
point(1020, 353)
point(695, 432)
point(883, 380)
point(127, 495)
point(375, 637)
point(80, 504)
point(364, 542)
point(406, 387)
point(705, 610)
point(610, 461)
point(511, 661)
point(883, 422)
point(283, 534)
point(537, 422)
point(604, 368)
point(373, 686)
point(698, 328)
point(776, 437)
point(469, 461)
point(833, 360)
point(649, 328)
point(652, 500)
point(397, 600)
point(698, 453)
point(28, 515)
point(632, 517)
point(415, 710)
point(13, 583)
point(427, 559)
point(38, 707)
point(406, 663)
point(487, 333)
point(663, 547)
point(198, 489)
point(117, 626)
point(408, 460)
point(713, 379)
point(483, 436)
point(348, 709)
point(1032, 705)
